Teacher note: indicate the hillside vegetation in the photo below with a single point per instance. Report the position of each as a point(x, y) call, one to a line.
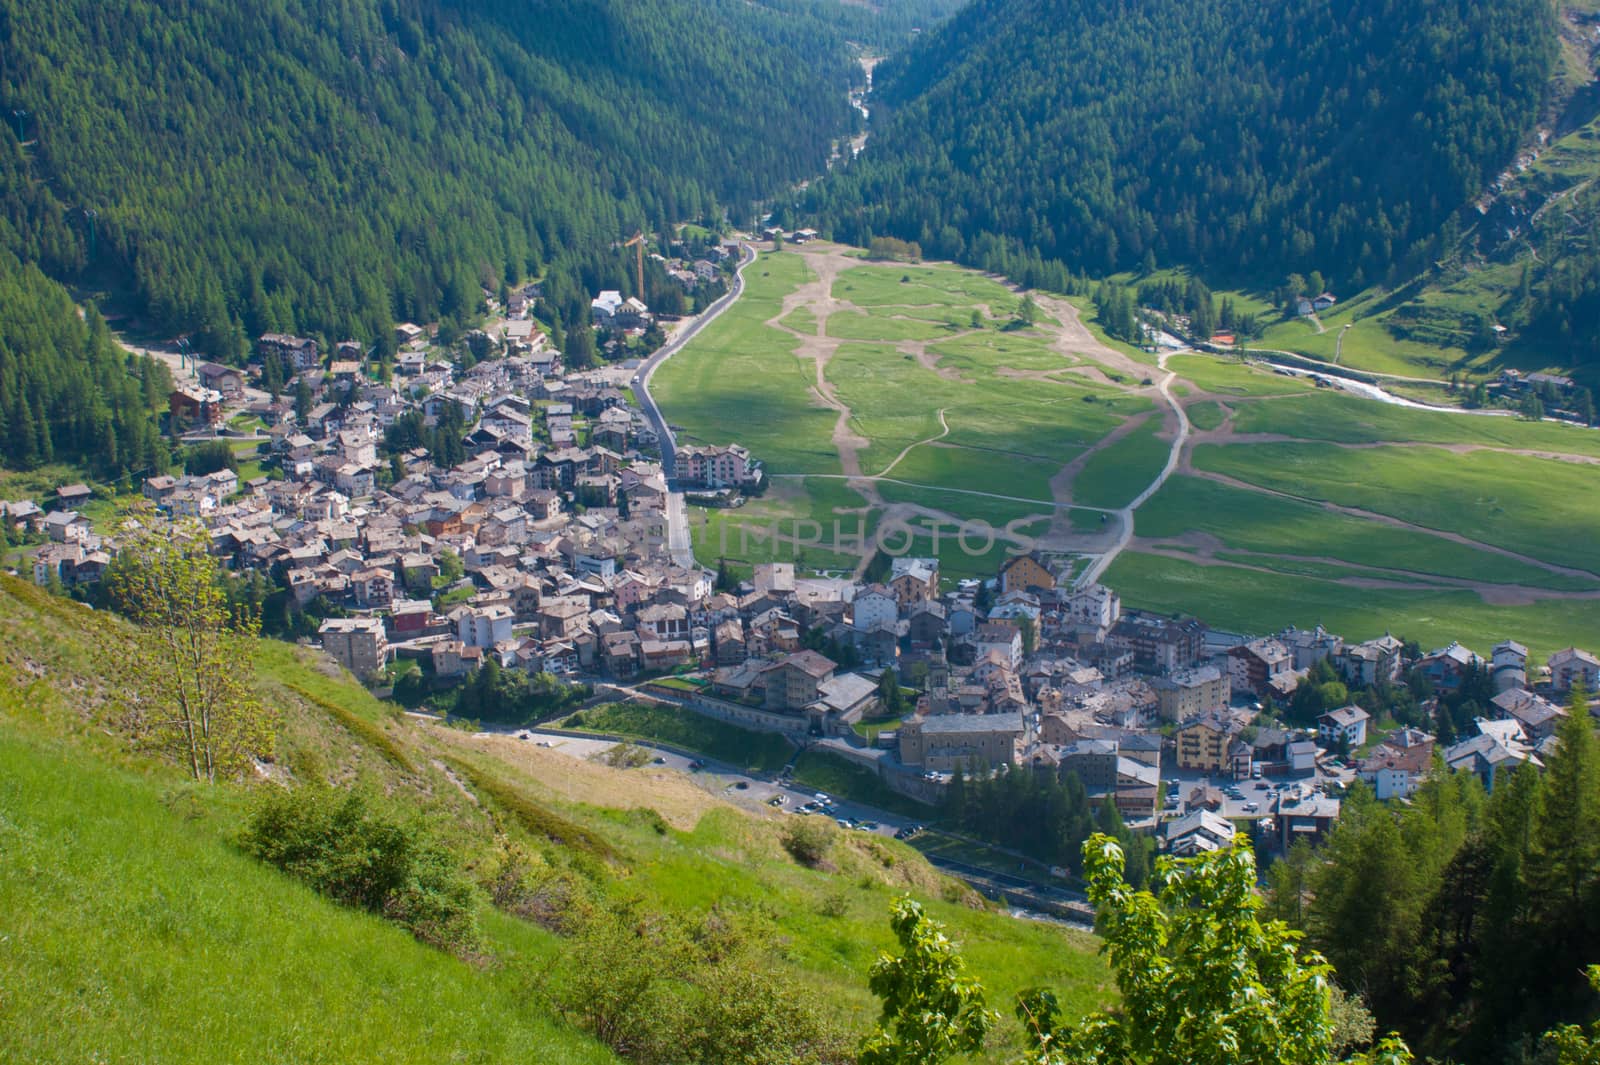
point(137, 927)
point(1250, 139)
point(332, 169)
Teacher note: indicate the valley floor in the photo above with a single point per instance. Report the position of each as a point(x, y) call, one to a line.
point(910, 407)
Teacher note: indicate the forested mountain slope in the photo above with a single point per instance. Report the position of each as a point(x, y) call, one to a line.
point(1241, 137)
point(67, 391)
point(288, 165)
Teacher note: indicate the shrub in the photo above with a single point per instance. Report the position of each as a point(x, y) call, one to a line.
point(344, 850)
point(657, 991)
point(834, 904)
point(525, 885)
point(624, 755)
point(808, 841)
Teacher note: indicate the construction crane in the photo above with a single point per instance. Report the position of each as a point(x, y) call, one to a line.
point(638, 243)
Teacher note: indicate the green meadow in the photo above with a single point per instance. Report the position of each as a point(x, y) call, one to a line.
point(902, 346)
point(747, 377)
point(136, 928)
point(1537, 507)
point(1244, 600)
point(1381, 514)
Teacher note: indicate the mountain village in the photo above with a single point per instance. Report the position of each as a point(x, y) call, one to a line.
point(548, 549)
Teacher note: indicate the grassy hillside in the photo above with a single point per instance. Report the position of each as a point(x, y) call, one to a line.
point(138, 930)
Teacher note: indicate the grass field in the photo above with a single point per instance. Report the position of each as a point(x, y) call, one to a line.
point(135, 929)
point(1433, 502)
point(1351, 420)
point(1264, 529)
point(1538, 507)
point(1117, 473)
point(745, 375)
point(1241, 600)
point(900, 346)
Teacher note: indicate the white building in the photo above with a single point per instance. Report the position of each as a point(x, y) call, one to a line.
point(1348, 723)
point(1093, 610)
point(874, 607)
point(484, 626)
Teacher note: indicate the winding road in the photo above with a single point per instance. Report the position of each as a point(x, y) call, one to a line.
point(678, 545)
point(1098, 568)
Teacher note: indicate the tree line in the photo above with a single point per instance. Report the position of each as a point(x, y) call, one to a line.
point(1464, 919)
point(1045, 815)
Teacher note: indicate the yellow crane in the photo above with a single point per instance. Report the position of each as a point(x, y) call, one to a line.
point(637, 243)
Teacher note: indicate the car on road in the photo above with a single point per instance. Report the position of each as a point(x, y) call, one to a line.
point(741, 784)
point(697, 764)
point(844, 822)
point(867, 826)
point(658, 760)
point(822, 798)
point(1251, 807)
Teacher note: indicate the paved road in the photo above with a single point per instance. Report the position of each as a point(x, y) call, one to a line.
point(678, 544)
point(1125, 516)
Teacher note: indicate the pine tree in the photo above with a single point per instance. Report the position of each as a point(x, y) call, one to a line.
point(1567, 842)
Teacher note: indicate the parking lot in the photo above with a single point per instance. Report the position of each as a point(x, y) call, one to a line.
point(1244, 799)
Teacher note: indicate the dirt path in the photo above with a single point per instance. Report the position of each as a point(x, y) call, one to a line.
point(944, 431)
point(1081, 353)
point(1075, 339)
point(817, 297)
point(1175, 455)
